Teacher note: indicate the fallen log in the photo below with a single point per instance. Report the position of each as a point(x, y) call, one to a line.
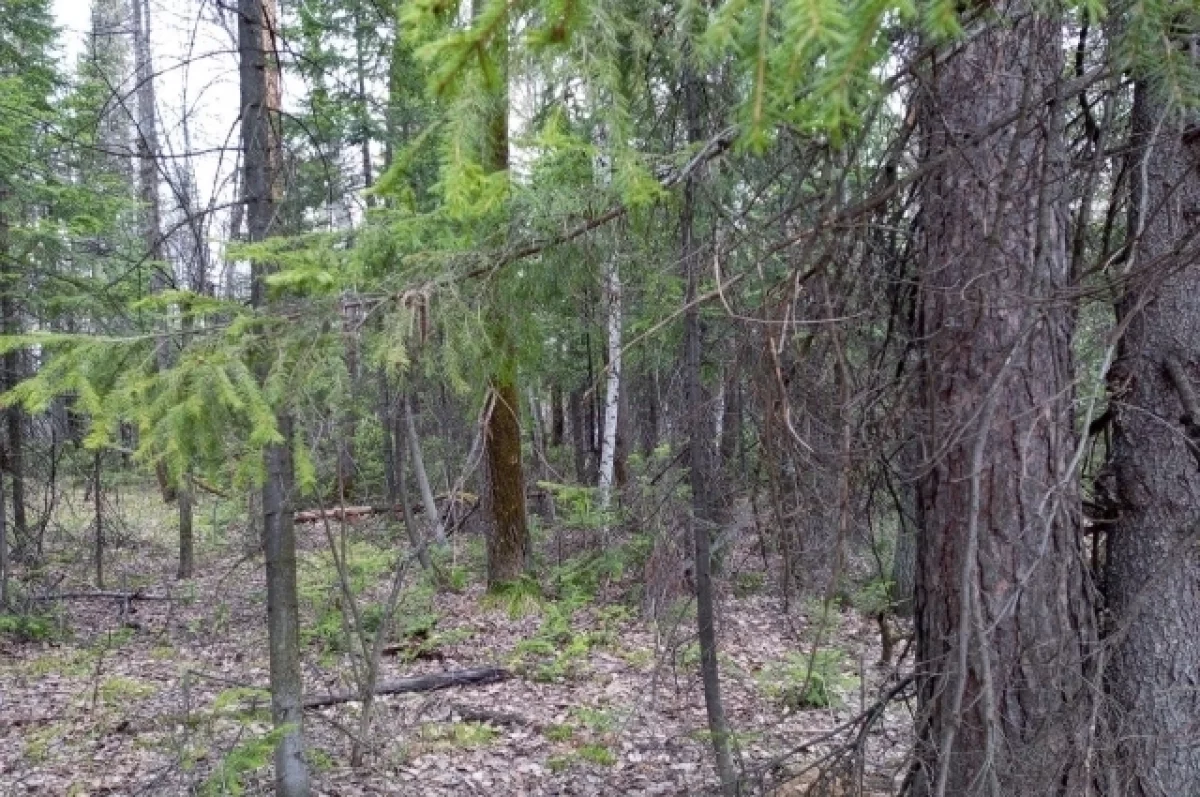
point(119, 596)
point(357, 511)
point(417, 683)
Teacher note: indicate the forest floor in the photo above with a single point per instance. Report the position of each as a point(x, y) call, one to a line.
point(165, 699)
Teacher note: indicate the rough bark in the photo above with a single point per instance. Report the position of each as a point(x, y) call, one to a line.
point(1152, 577)
point(260, 102)
point(1005, 629)
point(508, 543)
point(703, 519)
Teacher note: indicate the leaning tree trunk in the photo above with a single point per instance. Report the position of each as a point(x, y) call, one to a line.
point(1004, 625)
point(260, 101)
point(1152, 578)
point(436, 527)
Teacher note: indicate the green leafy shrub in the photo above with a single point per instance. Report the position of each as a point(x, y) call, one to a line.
point(798, 687)
point(249, 755)
point(28, 627)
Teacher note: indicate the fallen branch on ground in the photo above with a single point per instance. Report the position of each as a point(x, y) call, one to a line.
point(472, 714)
point(417, 683)
point(353, 512)
point(118, 596)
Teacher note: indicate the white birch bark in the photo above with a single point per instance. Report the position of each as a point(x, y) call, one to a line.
point(612, 393)
point(612, 296)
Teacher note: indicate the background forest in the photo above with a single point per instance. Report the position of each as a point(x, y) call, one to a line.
point(596, 397)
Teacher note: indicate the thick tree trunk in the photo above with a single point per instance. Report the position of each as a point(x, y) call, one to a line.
point(260, 102)
point(508, 543)
point(1152, 578)
point(1005, 628)
point(699, 430)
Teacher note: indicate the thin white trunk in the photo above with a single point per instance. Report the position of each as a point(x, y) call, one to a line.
point(612, 393)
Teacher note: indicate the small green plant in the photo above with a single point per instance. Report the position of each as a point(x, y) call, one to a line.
point(559, 733)
point(243, 702)
point(873, 598)
point(746, 584)
point(595, 720)
point(458, 734)
point(319, 759)
point(798, 687)
point(559, 763)
point(597, 754)
point(28, 627)
point(37, 742)
point(251, 754)
point(556, 652)
point(519, 598)
point(118, 690)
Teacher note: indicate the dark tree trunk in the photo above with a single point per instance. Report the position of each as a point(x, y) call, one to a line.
point(14, 417)
point(14, 453)
point(1152, 578)
point(4, 559)
point(699, 430)
point(1005, 628)
point(650, 416)
point(98, 521)
point(508, 542)
point(579, 436)
point(260, 103)
point(187, 537)
point(558, 423)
